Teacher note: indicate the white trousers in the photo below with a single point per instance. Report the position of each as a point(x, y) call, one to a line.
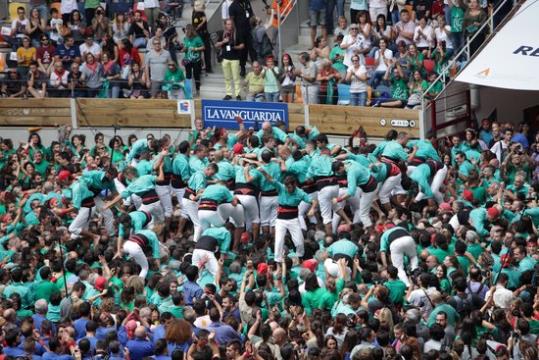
point(365, 204)
point(268, 210)
point(403, 246)
point(435, 185)
point(303, 208)
point(189, 211)
point(156, 210)
point(165, 197)
point(179, 193)
point(210, 218)
point(134, 200)
point(234, 213)
point(387, 188)
point(293, 227)
point(81, 221)
point(325, 200)
point(135, 251)
point(353, 202)
point(208, 258)
point(250, 209)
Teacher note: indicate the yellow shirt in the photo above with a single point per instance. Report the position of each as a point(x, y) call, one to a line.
point(26, 55)
point(256, 83)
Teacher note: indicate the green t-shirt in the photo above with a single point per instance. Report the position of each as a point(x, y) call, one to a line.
point(457, 19)
point(397, 290)
point(43, 290)
point(399, 89)
point(189, 44)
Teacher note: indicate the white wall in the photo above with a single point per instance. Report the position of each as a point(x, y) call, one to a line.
point(510, 104)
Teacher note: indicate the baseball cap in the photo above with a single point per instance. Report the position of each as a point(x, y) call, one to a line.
point(467, 195)
point(262, 269)
point(310, 264)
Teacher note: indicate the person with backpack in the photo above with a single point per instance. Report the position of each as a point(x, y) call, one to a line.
point(261, 41)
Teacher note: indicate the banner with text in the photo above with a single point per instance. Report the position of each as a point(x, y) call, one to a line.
point(224, 114)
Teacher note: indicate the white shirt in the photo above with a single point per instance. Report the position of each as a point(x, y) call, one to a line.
point(68, 6)
point(224, 9)
point(498, 148)
point(355, 44)
point(420, 41)
point(441, 35)
point(19, 26)
point(151, 4)
point(356, 85)
point(419, 298)
point(382, 65)
point(95, 49)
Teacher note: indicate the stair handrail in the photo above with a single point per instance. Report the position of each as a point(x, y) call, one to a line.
point(465, 49)
point(285, 11)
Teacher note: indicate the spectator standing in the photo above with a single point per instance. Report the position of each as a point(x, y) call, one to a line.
point(355, 7)
point(194, 48)
point(271, 80)
point(456, 22)
point(92, 71)
point(75, 27)
point(127, 55)
point(317, 18)
point(66, 8)
point(473, 19)
point(231, 44)
point(174, 82)
point(377, 8)
point(357, 75)
point(405, 28)
point(25, 55)
point(18, 28)
point(307, 73)
point(90, 9)
point(55, 25)
point(423, 36)
point(200, 23)
point(352, 44)
point(255, 83)
point(111, 74)
point(381, 30)
point(328, 78)
point(151, 9)
point(139, 31)
point(100, 24)
point(287, 78)
point(224, 10)
point(382, 60)
point(240, 11)
point(442, 33)
point(261, 40)
point(156, 62)
point(119, 27)
point(37, 26)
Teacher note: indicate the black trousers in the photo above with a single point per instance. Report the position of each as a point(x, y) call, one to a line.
point(193, 69)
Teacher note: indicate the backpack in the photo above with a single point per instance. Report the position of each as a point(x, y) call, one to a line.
point(463, 305)
point(262, 43)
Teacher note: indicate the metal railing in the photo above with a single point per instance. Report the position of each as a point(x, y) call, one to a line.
point(465, 50)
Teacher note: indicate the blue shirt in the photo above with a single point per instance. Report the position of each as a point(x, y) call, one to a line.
point(80, 328)
point(191, 290)
point(158, 333)
point(139, 349)
point(223, 333)
point(54, 356)
point(13, 351)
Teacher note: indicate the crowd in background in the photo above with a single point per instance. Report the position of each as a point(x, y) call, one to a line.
point(377, 54)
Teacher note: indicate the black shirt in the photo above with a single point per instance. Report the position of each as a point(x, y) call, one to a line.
point(137, 30)
point(227, 49)
point(241, 11)
point(197, 19)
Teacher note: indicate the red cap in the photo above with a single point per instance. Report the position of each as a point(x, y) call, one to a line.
point(262, 268)
point(64, 175)
point(245, 237)
point(445, 207)
point(344, 228)
point(310, 264)
point(100, 283)
point(493, 212)
point(237, 149)
point(467, 195)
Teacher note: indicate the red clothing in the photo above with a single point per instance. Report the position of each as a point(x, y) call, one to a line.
point(125, 57)
point(46, 53)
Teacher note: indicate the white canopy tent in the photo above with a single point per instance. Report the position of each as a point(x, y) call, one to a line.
point(511, 59)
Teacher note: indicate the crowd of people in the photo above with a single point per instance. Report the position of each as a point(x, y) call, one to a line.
point(377, 55)
point(270, 244)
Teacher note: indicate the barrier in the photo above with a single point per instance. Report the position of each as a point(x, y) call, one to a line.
point(92, 112)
